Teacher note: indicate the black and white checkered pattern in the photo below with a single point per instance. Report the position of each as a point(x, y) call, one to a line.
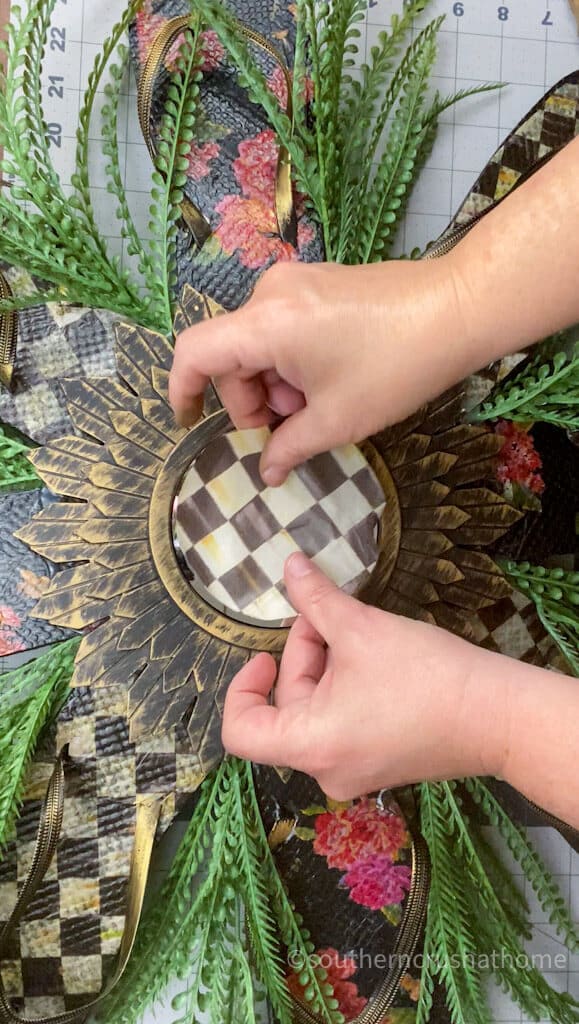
point(65, 947)
point(235, 533)
point(54, 342)
point(549, 126)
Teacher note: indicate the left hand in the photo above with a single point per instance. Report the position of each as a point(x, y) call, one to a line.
point(365, 699)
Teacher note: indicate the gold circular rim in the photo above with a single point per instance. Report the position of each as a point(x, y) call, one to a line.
point(192, 604)
point(264, 638)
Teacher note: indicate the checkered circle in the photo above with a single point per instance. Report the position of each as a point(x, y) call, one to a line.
point(235, 533)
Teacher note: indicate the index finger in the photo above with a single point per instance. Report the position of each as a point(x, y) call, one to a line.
point(230, 344)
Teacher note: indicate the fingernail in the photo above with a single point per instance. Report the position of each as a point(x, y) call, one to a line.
point(273, 476)
point(298, 565)
point(189, 417)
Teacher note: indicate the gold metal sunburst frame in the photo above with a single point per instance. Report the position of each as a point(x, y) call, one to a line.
point(152, 633)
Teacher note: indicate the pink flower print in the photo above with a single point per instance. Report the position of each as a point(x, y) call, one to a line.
point(10, 643)
point(200, 156)
point(277, 83)
point(339, 969)
point(211, 49)
point(376, 882)
point(148, 26)
point(9, 616)
point(519, 462)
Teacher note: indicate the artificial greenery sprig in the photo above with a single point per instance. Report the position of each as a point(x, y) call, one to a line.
point(173, 146)
point(29, 697)
point(358, 195)
point(56, 237)
point(115, 186)
point(555, 594)
point(222, 920)
point(474, 926)
point(16, 472)
point(541, 880)
point(545, 389)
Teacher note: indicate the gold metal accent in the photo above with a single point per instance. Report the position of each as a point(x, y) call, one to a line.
point(8, 336)
point(194, 219)
point(163, 551)
point(148, 810)
point(281, 832)
point(196, 222)
point(154, 634)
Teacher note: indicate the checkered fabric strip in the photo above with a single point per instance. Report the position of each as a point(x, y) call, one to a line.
point(552, 123)
point(54, 342)
point(65, 947)
point(235, 533)
point(511, 626)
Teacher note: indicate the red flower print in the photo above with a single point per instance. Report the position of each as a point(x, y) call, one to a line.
point(277, 83)
point(256, 166)
point(8, 616)
point(200, 156)
point(340, 967)
point(248, 222)
point(250, 226)
point(347, 835)
point(212, 51)
point(376, 882)
point(339, 970)
point(148, 25)
point(519, 462)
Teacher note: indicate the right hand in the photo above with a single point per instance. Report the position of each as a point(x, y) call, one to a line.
point(340, 352)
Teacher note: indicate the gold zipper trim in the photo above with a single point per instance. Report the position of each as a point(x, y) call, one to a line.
point(410, 929)
point(194, 219)
point(148, 810)
point(196, 222)
point(569, 832)
point(8, 336)
point(447, 244)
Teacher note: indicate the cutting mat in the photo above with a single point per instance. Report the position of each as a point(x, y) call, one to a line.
point(528, 44)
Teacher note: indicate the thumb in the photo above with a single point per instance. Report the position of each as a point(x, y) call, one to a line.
point(315, 597)
point(293, 442)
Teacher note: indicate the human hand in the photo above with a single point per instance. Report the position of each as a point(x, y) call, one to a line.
point(339, 351)
point(365, 699)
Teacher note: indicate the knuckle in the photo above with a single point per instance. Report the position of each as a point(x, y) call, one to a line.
point(320, 593)
point(279, 276)
point(335, 788)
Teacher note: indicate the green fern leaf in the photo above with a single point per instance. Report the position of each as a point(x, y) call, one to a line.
point(546, 389)
point(29, 697)
point(451, 937)
point(556, 597)
point(176, 133)
point(396, 169)
point(16, 472)
point(110, 133)
point(542, 882)
point(53, 235)
point(222, 909)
